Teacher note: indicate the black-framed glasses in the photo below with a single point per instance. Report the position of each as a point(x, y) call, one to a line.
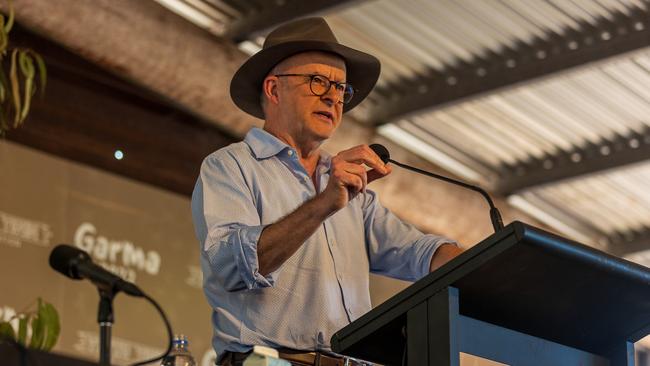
point(320, 85)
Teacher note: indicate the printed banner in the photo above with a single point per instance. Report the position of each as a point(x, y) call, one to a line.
point(139, 232)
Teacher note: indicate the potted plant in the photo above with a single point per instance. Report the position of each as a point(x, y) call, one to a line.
point(37, 329)
point(18, 70)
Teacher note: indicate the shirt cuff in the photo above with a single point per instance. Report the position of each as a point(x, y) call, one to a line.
point(245, 253)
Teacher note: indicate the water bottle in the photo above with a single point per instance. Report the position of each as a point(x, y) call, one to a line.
point(180, 354)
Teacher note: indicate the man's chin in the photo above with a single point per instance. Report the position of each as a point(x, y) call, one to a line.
point(323, 130)
point(326, 133)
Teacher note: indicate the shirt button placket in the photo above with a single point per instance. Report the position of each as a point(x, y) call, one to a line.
point(293, 157)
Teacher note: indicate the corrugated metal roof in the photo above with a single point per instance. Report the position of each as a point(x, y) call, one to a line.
point(610, 204)
point(477, 138)
point(590, 105)
point(411, 36)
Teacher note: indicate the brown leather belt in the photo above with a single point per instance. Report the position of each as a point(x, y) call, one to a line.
point(300, 358)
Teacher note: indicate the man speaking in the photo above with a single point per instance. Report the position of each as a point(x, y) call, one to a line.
point(289, 233)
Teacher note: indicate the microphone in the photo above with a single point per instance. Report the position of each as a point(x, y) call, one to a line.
point(495, 215)
point(77, 264)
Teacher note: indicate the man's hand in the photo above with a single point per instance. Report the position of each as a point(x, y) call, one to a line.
point(348, 175)
point(444, 254)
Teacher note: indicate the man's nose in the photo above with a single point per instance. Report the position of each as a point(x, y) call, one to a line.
point(331, 97)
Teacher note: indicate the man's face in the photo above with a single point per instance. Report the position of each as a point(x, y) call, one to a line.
point(308, 116)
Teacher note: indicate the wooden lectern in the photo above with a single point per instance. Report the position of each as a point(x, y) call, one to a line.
point(522, 296)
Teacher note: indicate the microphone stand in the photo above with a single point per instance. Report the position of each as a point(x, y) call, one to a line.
point(77, 264)
point(105, 320)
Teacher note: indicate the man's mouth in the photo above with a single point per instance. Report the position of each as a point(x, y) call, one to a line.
point(325, 115)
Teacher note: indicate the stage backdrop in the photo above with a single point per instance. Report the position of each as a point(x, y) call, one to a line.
point(142, 233)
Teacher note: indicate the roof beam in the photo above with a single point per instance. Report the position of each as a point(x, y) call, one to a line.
point(164, 53)
point(594, 158)
point(627, 32)
point(272, 13)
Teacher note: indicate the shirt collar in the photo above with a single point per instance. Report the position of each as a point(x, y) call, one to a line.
point(324, 163)
point(263, 144)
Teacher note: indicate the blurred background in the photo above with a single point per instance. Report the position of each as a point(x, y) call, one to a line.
point(544, 103)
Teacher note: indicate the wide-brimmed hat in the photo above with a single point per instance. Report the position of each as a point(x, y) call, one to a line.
point(310, 34)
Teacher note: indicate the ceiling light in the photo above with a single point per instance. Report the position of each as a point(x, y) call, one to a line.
point(119, 155)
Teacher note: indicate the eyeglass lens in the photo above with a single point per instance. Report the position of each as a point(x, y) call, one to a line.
point(320, 85)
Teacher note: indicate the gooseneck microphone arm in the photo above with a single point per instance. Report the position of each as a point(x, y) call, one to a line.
point(495, 215)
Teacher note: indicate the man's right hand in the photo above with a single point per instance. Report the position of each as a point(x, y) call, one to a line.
point(349, 176)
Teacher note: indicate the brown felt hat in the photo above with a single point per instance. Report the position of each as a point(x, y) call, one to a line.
point(310, 34)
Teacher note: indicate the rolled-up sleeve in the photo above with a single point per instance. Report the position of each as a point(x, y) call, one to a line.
point(227, 224)
point(395, 248)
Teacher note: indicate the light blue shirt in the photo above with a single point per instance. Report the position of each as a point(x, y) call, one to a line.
point(324, 286)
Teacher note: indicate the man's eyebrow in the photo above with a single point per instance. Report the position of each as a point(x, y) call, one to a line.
point(325, 76)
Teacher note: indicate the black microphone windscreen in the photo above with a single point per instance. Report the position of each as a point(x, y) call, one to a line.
point(64, 257)
point(381, 151)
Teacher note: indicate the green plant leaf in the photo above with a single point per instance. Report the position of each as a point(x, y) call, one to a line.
point(22, 329)
point(38, 328)
point(3, 124)
point(3, 92)
point(26, 63)
point(15, 88)
point(7, 331)
point(52, 326)
point(42, 71)
point(5, 84)
point(37, 333)
point(27, 68)
point(29, 92)
point(10, 21)
point(4, 37)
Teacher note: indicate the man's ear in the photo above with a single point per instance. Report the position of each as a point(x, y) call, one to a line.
point(270, 89)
